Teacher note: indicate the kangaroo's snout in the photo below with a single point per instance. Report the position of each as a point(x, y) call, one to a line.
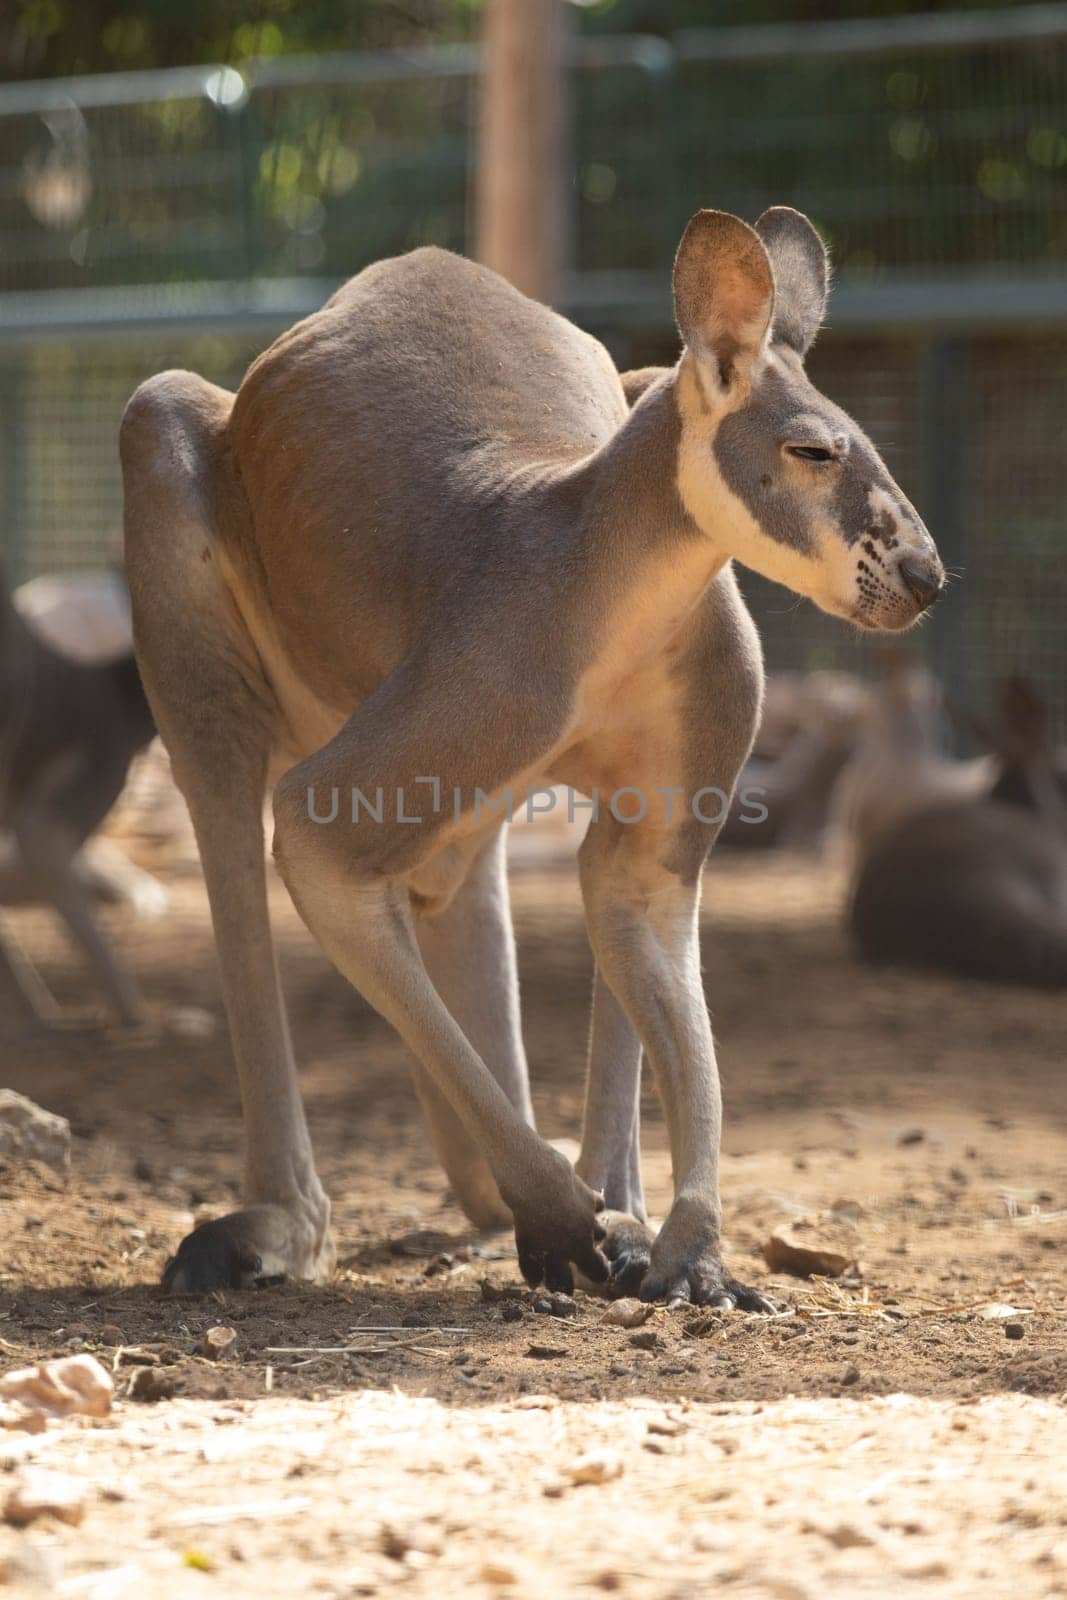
point(924, 578)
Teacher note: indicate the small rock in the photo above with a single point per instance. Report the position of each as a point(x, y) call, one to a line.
point(148, 1384)
point(802, 1261)
point(31, 1567)
point(626, 1314)
point(499, 1572)
point(846, 1536)
point(668, 1427)
point(1014, 1330)
point(397, 1540)
point(111, 1334)
point(850, 1375)
point(36, 1493)
point(217, 1342)
point(511, 1311)
point(911, 1136)
point(596, 1466)
point(29, 1133)
point(60, 1388)
point(545, 1352)
point(555, 1305)
point(924, 1570)
point(849, 1210)
point(644, 1341)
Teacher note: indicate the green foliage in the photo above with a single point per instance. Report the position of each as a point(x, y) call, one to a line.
point(50, 38)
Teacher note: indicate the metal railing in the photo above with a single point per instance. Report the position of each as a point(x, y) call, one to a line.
point(928, 148)
point(183, 217)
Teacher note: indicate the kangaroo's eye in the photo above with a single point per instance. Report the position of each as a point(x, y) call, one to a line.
point(810, 452)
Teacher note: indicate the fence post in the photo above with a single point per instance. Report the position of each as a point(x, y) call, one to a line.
point(520, 190)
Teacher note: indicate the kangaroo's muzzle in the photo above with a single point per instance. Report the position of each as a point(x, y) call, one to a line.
point(923, 577)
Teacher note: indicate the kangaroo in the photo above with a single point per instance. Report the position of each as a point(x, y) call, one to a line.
point(68, 732)
point(786, 801)
point(900, 765)
point(976, 883)
point(429, 558)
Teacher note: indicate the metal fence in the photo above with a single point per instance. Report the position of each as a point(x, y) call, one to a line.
point(183, 218)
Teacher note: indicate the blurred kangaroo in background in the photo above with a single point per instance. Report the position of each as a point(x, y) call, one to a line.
point(901, 763)
point(68, 732)
point(971, 877)
point(430, 553)
point(795, 789)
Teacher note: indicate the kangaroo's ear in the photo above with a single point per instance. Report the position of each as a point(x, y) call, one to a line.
point(723, 295)
point(1022, 733)
point(801, 275)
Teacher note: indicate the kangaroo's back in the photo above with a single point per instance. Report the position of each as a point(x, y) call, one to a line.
point(383, 447)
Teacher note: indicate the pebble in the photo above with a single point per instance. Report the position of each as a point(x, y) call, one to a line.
point(31, 1566)
point(596, 1466)
point(626, 1314)
point(555, 1305)
point(845, 1536)
point(498, 1572)
point(1014, 1330)
point(60, 1388)
point(398, 1540)
point(36, 1493)
point(644, 1341)
point(29, 1133)
point(149, 1384)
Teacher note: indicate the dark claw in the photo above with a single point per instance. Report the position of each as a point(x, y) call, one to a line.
point(594, 1264)
point(751, 1300)
point(718, 1293)
point(214, 1256)
point(628, 1272)
point(559, 1278)
point(531, 1265)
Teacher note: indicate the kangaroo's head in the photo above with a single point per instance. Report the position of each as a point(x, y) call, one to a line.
point(770, 468)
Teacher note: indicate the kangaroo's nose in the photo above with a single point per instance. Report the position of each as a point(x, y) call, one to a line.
point(924, 579)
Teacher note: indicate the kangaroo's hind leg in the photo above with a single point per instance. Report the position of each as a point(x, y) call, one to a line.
point(216, 715)
point(49, 853)
point(468, 949)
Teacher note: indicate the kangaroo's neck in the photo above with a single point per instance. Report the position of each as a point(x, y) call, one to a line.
point(632, 521)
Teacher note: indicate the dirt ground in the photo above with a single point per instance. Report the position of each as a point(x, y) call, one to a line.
point(419, 1426)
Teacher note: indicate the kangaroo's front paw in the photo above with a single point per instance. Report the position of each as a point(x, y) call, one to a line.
point(248, 1248)
point(557, 1223)
point(628, 1247)
point(686, 1265)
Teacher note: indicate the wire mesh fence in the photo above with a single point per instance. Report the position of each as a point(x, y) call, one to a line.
point(183, 218)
